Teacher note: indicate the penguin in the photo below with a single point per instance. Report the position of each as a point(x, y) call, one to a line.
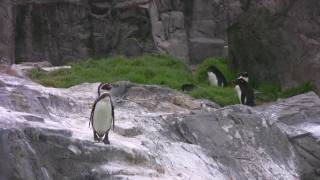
point(244, 76)
point(244, 92)
point(104, 87)
point(102, 116)
point(187, 87)
point(215, 77)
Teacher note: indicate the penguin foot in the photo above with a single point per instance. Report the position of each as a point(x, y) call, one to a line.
point(95, 137)
point(106, 141)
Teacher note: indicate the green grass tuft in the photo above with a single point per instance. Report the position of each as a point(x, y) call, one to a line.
point(223, 96)
point(161, 70)
point(304, 88)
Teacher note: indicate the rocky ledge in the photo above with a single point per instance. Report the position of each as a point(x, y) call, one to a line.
point(160, 134)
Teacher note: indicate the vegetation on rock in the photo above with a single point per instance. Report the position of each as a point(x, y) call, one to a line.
point(160, 70)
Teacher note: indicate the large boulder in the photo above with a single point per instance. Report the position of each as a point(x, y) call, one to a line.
point(44, 134)
point(278, 41)
point(159, 134)
point(266, 141)
point(299, 118)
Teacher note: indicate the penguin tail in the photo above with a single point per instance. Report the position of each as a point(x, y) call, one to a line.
point(113, 124)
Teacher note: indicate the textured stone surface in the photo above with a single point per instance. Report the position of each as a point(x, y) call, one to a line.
point(7, 44)
point(299, 118)
point(159, 134)
point(278, 41)
point(64, 31)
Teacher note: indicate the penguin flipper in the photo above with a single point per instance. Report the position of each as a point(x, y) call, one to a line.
point(99, 88)
point(112, 107)
point(243, 98)
point(92, 110)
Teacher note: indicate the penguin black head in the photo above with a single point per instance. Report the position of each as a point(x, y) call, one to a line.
point(239, 81)
point(244, 76)
point(212, 69)
point(104, 87)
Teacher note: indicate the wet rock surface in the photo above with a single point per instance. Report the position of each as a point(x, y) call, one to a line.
point(44, 134)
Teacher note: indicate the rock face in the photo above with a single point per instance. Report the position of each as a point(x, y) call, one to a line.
point(7, 43)
point(63, 31)
point(159, 134)
point(278, 41)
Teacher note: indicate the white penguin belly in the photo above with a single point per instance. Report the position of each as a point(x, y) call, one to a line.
point(213, 80)
point(102, 117)
point(238, 90)
point(103, 91)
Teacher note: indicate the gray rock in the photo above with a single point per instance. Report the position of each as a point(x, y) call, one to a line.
point(64, 31)
point(242, 141)
point(299, 118)
point(131, 47)
point(169, 32)
point(159, 134)
point(273, 41)
point(67, 31)
point(7, 33)
point(201, 48)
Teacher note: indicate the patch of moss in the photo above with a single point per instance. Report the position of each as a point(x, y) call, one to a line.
point(304, 88)
point(222, 95)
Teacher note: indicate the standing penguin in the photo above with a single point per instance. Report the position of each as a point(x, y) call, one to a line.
point(244, 76)
point(244, 92)
point(215, 77)
point(102, 115)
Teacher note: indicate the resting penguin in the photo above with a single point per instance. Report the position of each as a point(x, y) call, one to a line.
point(187, 87)
point(244, 76)
point(215, 77)
point(244, 92)
point(102, 115)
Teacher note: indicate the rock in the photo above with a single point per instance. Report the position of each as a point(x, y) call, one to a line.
point(201, 48)
point(36, 64)
point(67, 31)
point(299, 118)
point(186, 102)
point(7, 33)
point(273, 41)
point(33, 118)
point(61, 146)
point(54, 68)
point(239, 139)
point(131, 47)
point(44, 134)
point(169, 32)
